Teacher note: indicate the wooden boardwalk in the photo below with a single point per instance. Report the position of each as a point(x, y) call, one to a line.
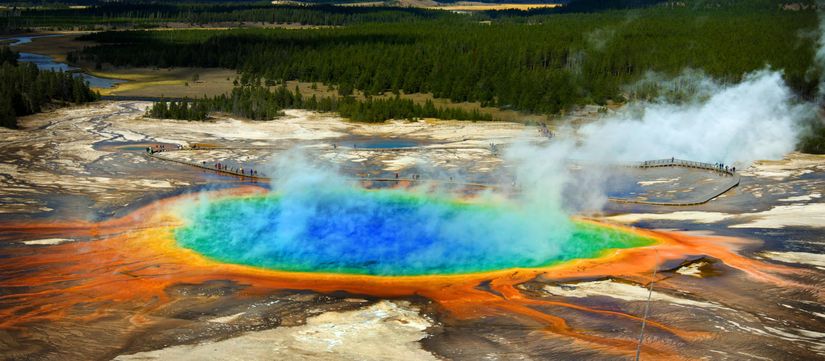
point(673, 162)
point(645, 164)
point(246, 176)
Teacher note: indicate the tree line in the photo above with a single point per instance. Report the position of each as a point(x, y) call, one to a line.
point(570, 60)
point(152, 14)
point(262, 103)
point(147, 14)
point(26, 90)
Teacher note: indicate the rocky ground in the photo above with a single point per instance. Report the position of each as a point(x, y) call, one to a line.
point(88, 163)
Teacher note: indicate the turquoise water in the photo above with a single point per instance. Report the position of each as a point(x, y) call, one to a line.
point(388, 233)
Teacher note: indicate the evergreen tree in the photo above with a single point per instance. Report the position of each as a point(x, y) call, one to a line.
point(25, 90)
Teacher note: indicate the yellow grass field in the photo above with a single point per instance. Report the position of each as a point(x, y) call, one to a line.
point(173, 83)
point(474, 6)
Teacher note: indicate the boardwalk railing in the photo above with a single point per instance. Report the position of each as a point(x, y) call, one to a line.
point(211, 167)
point(672, 162)
point(208, 166)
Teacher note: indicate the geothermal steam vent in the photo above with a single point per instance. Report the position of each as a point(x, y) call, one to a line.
point(389, 233)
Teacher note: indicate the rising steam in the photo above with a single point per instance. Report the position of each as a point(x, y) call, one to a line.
point(758, 118)
point(316, 221)
point(755, 119)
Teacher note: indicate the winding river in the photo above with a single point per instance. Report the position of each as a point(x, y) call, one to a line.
point(45, 62)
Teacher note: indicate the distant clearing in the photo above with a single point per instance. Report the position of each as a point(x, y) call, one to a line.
point(474, 6)
point(434, 5)
point(172, 83)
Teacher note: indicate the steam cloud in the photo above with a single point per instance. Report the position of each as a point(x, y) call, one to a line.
point(320, 221)
point(526, 226)
point(758, 118)
point(755, 119)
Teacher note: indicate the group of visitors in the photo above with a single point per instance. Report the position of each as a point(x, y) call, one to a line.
point(157, 148)
point(237, 170)
point(494, 148)
point(723, 167)
point(398, 176)
point(544, 131)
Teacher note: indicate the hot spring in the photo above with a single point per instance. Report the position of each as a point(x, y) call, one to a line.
point(388, 233)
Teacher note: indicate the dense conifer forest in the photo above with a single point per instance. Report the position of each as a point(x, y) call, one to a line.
point(26, 90)
point(546, 68)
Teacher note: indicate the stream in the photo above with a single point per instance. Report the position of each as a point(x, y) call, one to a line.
point(45, 62)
